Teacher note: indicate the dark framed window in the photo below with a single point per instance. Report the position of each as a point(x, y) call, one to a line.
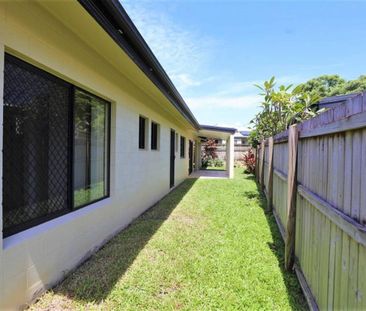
point(41, 147)
point(176, 142)
point(155, 136)
point(182, 147)
point(91, 148)
point(142, 132)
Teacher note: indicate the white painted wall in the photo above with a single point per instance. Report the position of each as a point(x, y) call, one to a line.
point(37, 258)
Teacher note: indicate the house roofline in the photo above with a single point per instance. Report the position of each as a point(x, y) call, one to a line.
point(115, 21)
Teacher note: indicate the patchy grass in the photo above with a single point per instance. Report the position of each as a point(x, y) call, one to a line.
point(208, 245)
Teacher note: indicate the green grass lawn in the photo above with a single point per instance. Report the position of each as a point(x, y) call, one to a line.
point(208, 245)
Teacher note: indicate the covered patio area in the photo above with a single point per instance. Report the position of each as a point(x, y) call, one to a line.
point(215, 132)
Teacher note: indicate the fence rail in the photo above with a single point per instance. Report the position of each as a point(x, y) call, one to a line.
point(314, 178)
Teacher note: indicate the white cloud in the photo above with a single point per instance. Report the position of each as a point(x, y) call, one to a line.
point(242, 94)
point(186, 55)
point(220, 101)
point(249, 87)
point(181, 52)
point(185, 80)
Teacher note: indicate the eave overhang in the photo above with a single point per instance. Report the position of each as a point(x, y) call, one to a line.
point(112, 17)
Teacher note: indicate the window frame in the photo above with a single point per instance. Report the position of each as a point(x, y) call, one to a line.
point(108, 151)
point(182, 147)
point(155, 146)
point(176, 142)
point(146, 133)
point(70, 140)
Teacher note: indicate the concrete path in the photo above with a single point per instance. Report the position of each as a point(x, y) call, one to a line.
point(210, 174)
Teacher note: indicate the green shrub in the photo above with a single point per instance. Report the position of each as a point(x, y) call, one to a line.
point(218, 163)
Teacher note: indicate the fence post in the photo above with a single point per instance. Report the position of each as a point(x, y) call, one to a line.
point(270, 174)
point(256, 163)
point(291, 197)
point(261, 168)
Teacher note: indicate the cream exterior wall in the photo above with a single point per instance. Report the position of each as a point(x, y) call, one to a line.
point(37, 258)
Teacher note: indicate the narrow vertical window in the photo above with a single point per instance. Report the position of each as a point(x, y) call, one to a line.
point(182, 147)
point(91, 117)
point(142, 132)
point(176, 142)
point(154, 136)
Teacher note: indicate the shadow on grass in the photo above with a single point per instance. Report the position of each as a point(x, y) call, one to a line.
point(94, 280)
point(296, 297)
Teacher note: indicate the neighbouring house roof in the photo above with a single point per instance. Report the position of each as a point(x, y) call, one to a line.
point(241, 134)
point(115, 21)
point(245, 133)
point(332, 101)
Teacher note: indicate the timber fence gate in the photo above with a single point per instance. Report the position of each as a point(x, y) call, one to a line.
point(314, 178)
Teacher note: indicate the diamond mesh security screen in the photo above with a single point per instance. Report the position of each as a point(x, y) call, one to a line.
point(36, 146)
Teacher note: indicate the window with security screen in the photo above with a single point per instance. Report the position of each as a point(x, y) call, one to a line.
point(39, 148)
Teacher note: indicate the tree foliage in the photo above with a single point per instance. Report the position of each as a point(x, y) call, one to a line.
point(209, 152)
point(209, 149)
point(332, 85)
point(323, 86)
point(285, 105)
point(281, 107)
point(249, 161)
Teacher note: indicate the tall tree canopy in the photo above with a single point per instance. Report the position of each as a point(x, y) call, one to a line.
point(332, 85)
point(323, 86)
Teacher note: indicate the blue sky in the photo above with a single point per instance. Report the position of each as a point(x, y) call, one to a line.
point(214, 51)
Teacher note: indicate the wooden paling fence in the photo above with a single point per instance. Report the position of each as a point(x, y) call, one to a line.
point(239, 151)
point(314, 178)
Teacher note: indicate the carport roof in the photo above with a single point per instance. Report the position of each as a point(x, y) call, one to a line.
point(211, 131)
point(219, 128)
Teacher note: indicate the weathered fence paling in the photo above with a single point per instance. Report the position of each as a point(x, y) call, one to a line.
point(261, 165)
point(291, 197)
point(270, 174)
point(318, 196)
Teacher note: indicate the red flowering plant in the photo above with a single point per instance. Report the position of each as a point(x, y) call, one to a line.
point(249, 161)
point(209, 152)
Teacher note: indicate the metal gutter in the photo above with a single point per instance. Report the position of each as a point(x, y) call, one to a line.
point(115, 21)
